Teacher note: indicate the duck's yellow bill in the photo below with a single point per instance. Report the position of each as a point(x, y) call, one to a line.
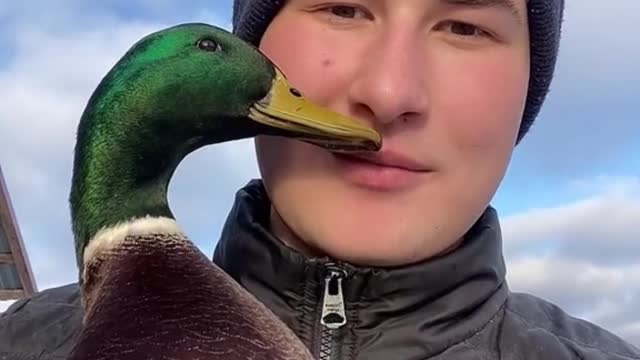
point(286, 109)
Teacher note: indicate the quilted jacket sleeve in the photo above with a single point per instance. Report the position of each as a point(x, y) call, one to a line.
point(41, 327)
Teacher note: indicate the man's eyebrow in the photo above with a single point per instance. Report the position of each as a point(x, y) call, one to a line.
point(506, 4)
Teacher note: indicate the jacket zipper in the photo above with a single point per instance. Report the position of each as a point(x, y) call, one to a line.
point(333, 312)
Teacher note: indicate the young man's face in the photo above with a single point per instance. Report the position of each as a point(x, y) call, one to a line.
point(444, 81)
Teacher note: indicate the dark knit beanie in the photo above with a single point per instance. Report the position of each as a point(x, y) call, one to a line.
point(251, 18)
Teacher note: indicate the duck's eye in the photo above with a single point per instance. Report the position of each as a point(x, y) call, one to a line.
point(208, 45)
point(295, 92)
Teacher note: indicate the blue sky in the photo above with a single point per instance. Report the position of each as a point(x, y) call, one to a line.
point(569, 202)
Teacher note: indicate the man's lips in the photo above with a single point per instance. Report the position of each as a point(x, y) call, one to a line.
point(386, 170)
point(388, 158)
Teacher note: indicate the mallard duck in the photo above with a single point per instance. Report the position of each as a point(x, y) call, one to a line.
point(147, 290)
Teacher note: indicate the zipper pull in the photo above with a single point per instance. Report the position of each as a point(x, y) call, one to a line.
point(333, 313)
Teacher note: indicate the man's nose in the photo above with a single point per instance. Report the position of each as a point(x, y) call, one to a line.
point(390, 84)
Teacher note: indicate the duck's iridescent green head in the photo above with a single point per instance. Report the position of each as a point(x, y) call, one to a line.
point(216, 85)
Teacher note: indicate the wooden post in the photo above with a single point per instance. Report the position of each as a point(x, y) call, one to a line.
point(18, 254)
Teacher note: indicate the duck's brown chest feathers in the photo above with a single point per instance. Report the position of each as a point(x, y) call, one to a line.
point(159, 297)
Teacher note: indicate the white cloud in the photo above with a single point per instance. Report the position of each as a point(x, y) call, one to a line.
point(552, 276)
point(585, 288)
point(583, 255)
point(631, 332)
point(601, 228)
point(4, 305)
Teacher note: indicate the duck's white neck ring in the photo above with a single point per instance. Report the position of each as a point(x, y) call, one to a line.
point(112, 237)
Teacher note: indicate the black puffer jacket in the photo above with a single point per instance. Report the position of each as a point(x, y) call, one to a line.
point(454, 307)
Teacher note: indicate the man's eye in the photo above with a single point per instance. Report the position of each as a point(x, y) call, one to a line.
point(347, 12)
point(343, 11)
point(465, 29)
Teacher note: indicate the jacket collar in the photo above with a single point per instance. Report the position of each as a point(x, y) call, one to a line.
point(442, 300)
